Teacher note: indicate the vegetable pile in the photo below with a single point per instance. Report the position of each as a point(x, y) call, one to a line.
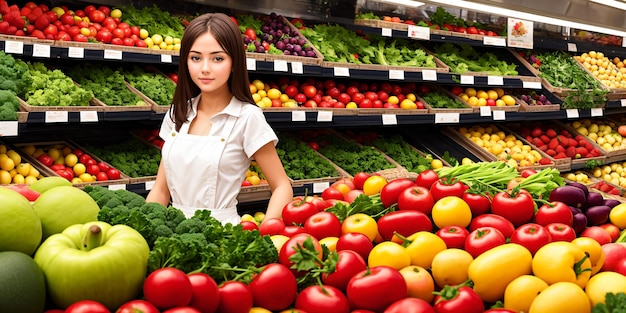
point(463, 58)
point(53, 88)
point(273, 35)
point(439, 99)
point(301, 161)
point(131, 156)
point(106, 84)
point(157, 87)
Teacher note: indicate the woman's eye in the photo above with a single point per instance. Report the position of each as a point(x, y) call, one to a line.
point(195, 58)
point(218, 59)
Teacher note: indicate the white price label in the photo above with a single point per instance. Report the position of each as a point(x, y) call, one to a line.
point(467, 80)
point(389, 119)
point(16, 47)
point(42, 51)
point(280, 66)
point(324, 116)
point(117, 186)
point(396, 74)
point(419, 32)
point(571, 113)
point(485, 111)
point(623, 42)
point(320, 187)
point(88, 116)
point(622, 102)
point(56, 117)
point(8, 128)
point(386, 32)
point(112, 54)
point(597, 112)
point(441, 118)
point(166, 58)
point(149, 185)
point(297, 68)
point(251, 64)
point(571, 47)
point(76, 52)
point(341, 71)
point(499, 115)
point(429, 75)
point(494, 41)
point(298, 116)
point(531, 85)
point(495, 80)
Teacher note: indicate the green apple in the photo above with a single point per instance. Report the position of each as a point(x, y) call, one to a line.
point(63, 206)
point(20, 226)
point(94, 261)
point(45, 183)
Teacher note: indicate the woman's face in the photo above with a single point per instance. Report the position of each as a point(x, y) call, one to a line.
point(209, 65)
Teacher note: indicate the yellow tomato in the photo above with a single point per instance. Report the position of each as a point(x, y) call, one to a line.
point(419, 282)
point(373, 185)
point(390, 254)
point(449, 267)
point(602, 283)
point(259, 310)
point(594, 250)
point(561, 297)
point(24, 168)
point(451, 210)
point(116, 13)
point(521, 292)
point(618, 215)
point(279, 241)
point(360, 223)
point(423, 247)
point(330, 243)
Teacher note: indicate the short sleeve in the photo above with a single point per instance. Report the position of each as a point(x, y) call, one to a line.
point(257, 132)
point(167, 125)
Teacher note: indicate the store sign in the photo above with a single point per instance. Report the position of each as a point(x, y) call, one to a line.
point(520, 33)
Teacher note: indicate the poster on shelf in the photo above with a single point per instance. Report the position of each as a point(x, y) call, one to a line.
point(519, 33)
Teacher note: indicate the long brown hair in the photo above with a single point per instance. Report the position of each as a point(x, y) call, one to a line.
point(228, 36)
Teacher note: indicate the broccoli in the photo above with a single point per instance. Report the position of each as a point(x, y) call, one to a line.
point(114, 215)
point(187, 252)
point(191, 225)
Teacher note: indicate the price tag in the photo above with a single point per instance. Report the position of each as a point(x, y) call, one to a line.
point(56, 117)
point(342, 71)
point(42, 51)
point(494, 41)
point(389, 119)
point(622, 102)
point(597, 112)
point(419, 32)
point(571, 47)
point(149, 185)
point(166, 58)
point(531, 85)
point(571, 113)
point(296, 68)
point(117, 186)
point(8, 128)
point(88, 116)
point(324, 116)
point(251, 64)
point(495, 80)
point(76, 52)
point(298, 116)
point(623, 42)
point(16, 47)
point(320, 187)
point(499, 115)
point(429, 75)
point(447, 118)
point(467, 79)
point(386, 32)
point(112, 54)
point(485, 111)
point(280, 66)
point(396, 74)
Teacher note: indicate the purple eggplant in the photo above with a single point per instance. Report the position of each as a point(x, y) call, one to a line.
point(594, 199)
point(580, 222)
point(578, 185)
point(597, 215)
point(611, 202)
point(569, 195)
point(574, 210)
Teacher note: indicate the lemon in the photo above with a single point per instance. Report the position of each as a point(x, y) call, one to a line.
point(273, 93)
point(86, 178)
point(499, 91)
point(38, 152)
point(79, 169)
point(157, 39)
point(54, 153)
point(284, 98)
point(436, 164)
point(162, 45)
point(262, 93)
point(5, 177)
point(393, 100)
point(492, 94)
point(508, 100)
point(23, 169)
point(17, 159)
point(481, 102)
point(471, 92)
point(34, 172)
point(254, 180)
point(116, 13)
point(76, 180)
point(411, 97)
point(29, 149)
point(29, 180)
point(169, 40)
point(258, 84)
point(143, 34)
point(18, 179)
point(473, 101)
point(351, 105)
point(149, 42)
point(71, 159)
point(256, 97)
point(7, 164)
point(408, 104)
point(466, 161)
point(481, 94)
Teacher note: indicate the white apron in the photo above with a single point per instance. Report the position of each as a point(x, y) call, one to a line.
point(191, 168)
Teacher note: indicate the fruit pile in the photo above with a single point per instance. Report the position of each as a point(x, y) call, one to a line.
point(533, 98)
point(602, 132)
point(254, 176)
point(71, 163)
point(273, 35)
point(13, 170)
point(614, 173)
point(557, 142)
point(480, 97)
point(610, 72)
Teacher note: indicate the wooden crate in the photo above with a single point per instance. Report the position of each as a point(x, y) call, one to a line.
point(611, 156)
point(432, 110)
point(44, 171)
point(93, 106)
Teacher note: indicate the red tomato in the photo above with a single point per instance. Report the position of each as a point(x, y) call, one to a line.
point(466, 301)
point(96, 16)
point(356, 242)
point(249, 225)
point(454, 236)
point(332, 193)
point(289, 248)
point(274, 288)
point(598, 233)
point(358, 97)
point(483, 239)
point(104, 36)
point(349, 263)
point(118, 33)
point(309, 91)
point(478, 203)
point(318, 201)
point(352, 90)
point(561, 232)
point(416, 198)
point(391, 191)
point(67, 19)
point(410, 305)
point(87, 306)
point(405, 223)
point(292, 230)
point(376, 288)
point(359, 179)
point(518, 208)
point(323, 224)
point(134, 306)
point(554, 212)
point(613, 230)
point(250, 33)
point(235, 297)
point(114, 173)
point(168, 288)
point(182, 309)
point(500, 310)
point(298, 211)
point(496, 221)
point(271, 226)
point(313, 145)
point(326, 299)
point(102, 176)
point(532, 236)
point(442, 188)
point(205, 292)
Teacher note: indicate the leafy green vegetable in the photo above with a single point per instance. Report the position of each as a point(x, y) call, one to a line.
point(14, 74)
point(9, 105)
point(302, 162)
point(106, 84)
point(370, 205)
point(154, 86)
point(464, 58)
point(53, 88)
point(440, 99)
point(615, 303)
point(154, 20)
point(131, 156)
point(401, 151)
point(367, 16)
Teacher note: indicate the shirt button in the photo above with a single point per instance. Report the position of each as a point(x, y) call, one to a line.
point(173, 134)
point(223, 139)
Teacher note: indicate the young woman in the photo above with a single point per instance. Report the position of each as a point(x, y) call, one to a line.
point(214, 129)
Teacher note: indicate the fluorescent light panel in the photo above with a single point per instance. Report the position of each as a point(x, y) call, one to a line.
point(612, 3)
point(408, 3)
point(527, 16)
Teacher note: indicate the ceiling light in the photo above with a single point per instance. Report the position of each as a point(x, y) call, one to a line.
point(612, 3)
point(409, 3)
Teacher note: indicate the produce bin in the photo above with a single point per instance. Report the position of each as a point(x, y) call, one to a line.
point(43, 170)
point(612, 154)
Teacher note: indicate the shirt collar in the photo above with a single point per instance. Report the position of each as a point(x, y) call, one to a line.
point(233, 108)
